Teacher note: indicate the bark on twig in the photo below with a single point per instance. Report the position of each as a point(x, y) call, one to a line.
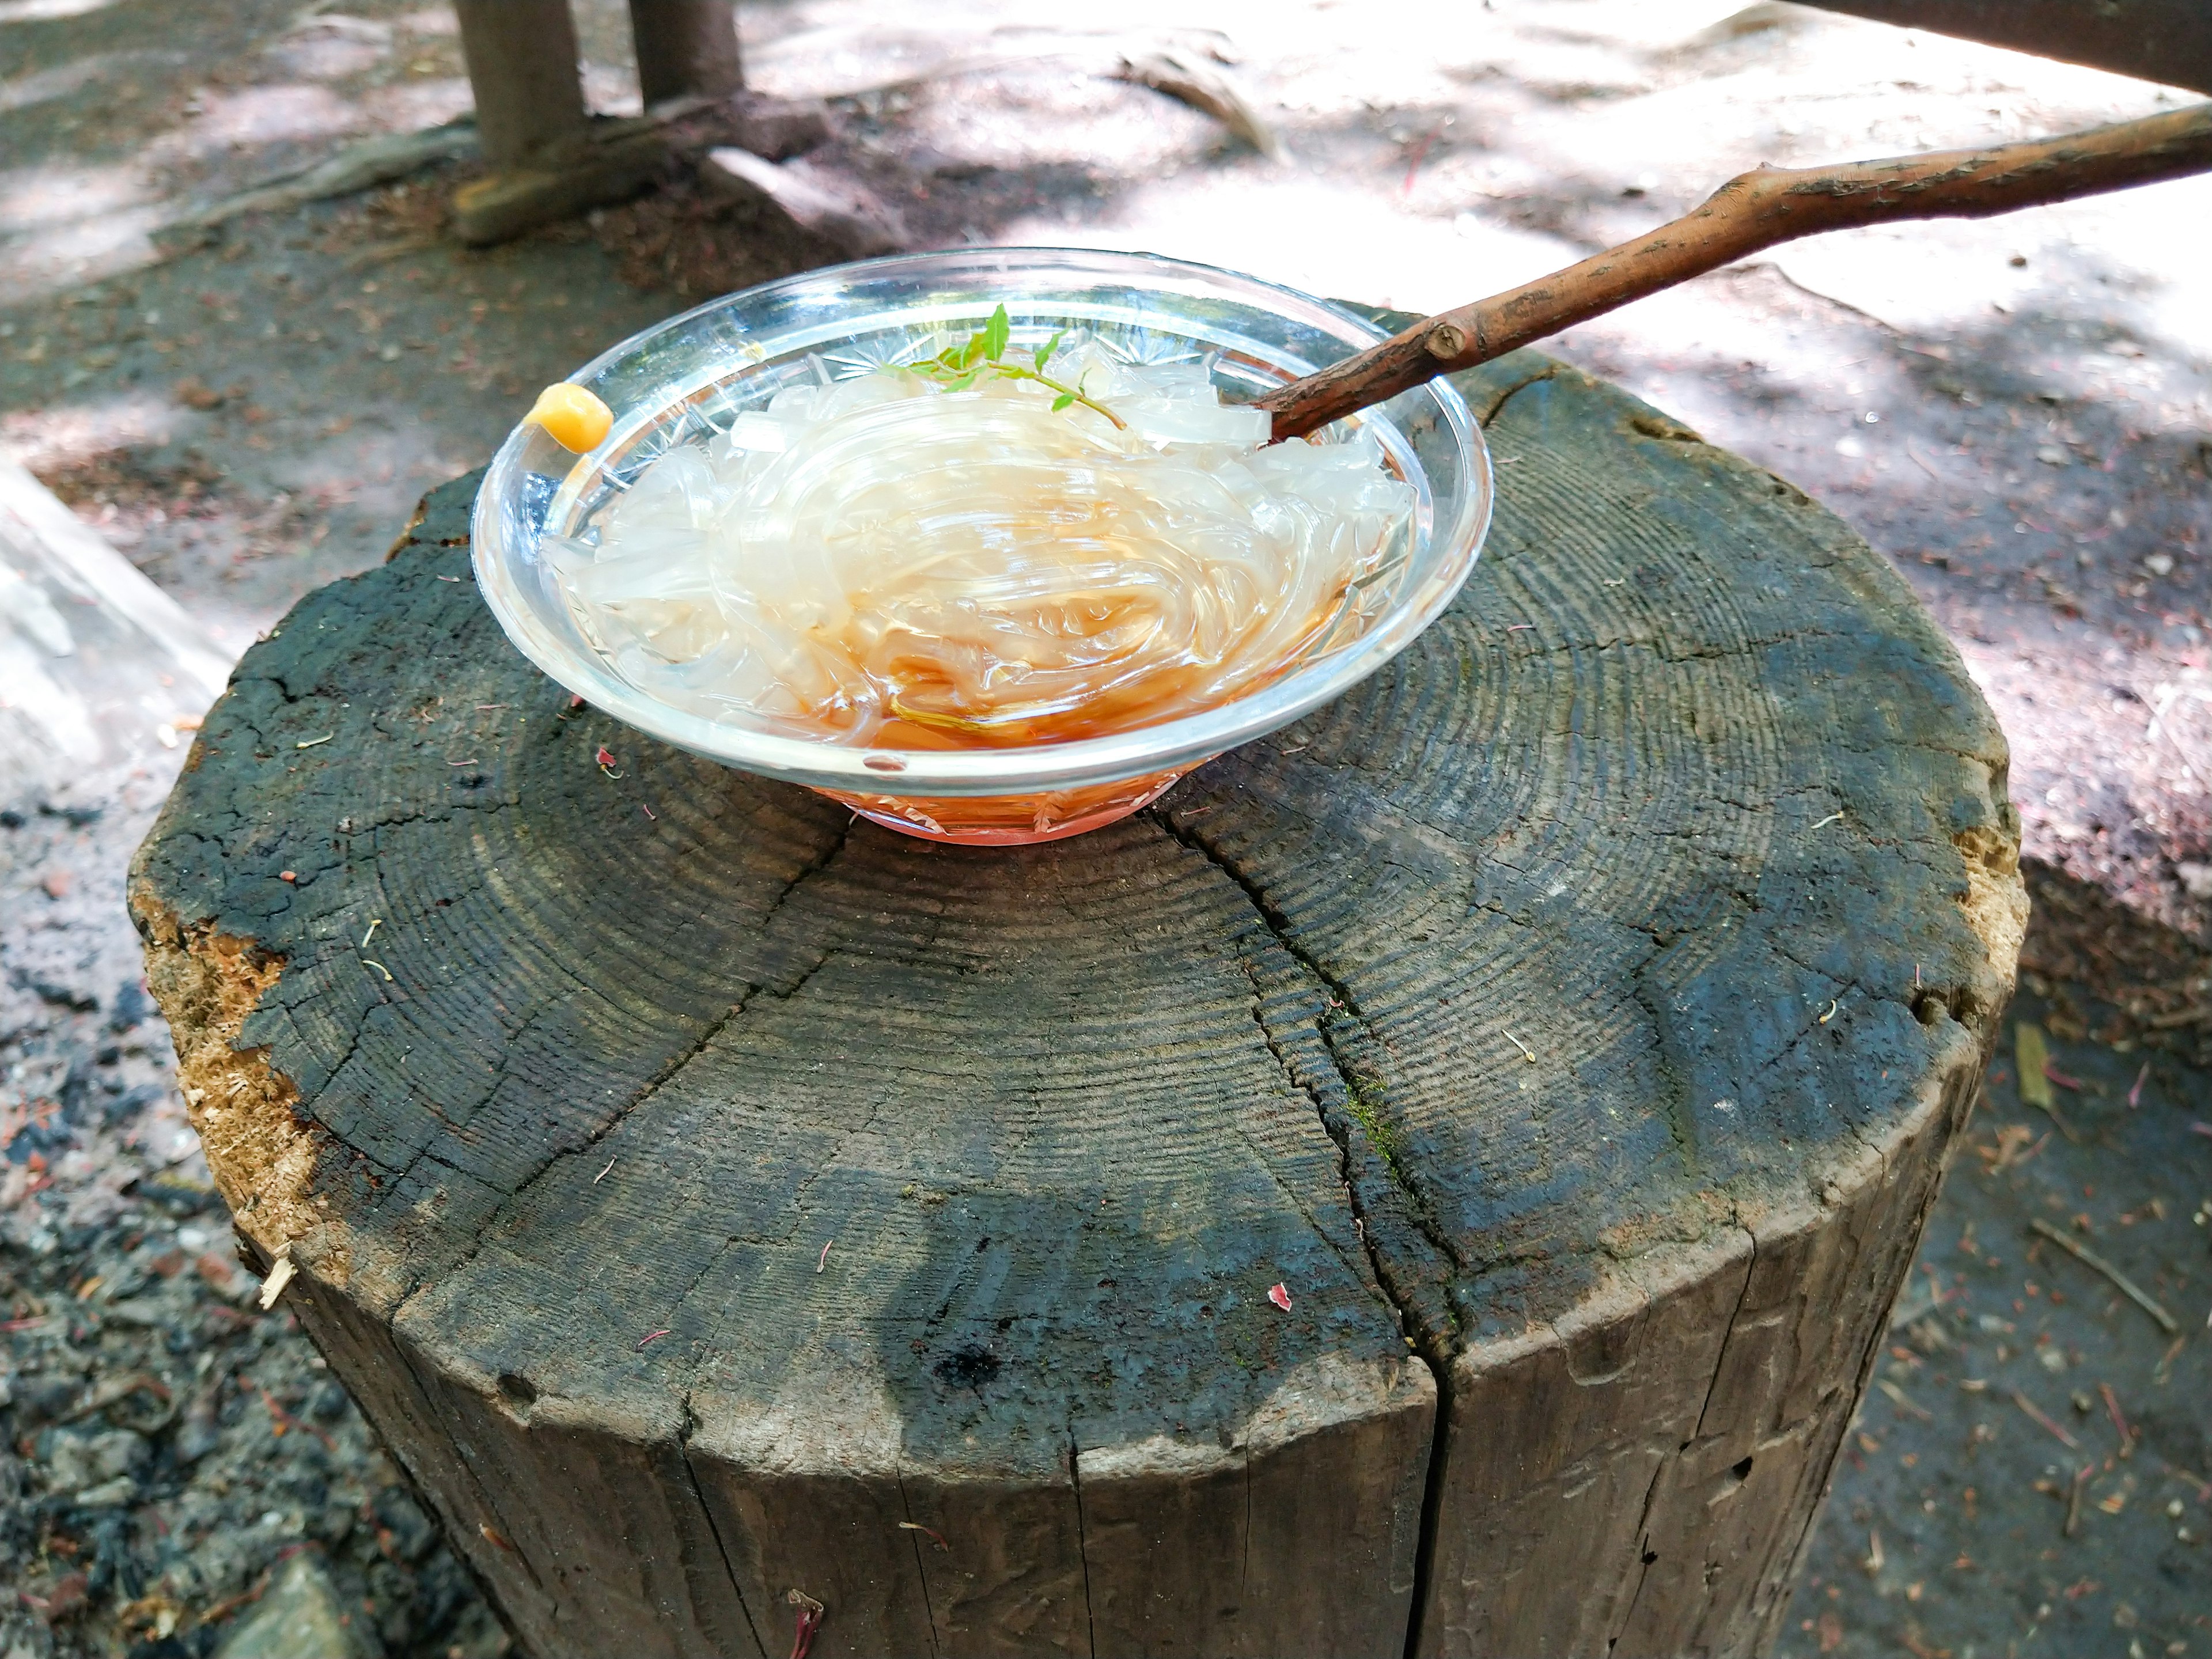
point(1753, 211)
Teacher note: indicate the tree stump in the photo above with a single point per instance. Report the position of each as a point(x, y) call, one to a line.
point(711, 1198)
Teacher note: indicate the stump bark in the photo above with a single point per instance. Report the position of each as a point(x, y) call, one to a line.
point(711, 1198)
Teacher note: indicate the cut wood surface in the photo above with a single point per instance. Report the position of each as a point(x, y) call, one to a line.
point(712, 1197)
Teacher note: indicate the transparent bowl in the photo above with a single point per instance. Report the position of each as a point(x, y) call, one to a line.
point(670, 383)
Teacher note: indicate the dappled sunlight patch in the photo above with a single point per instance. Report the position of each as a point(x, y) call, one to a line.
point(278, 115)
point(65, 224)
point(33, 198)
point(389, 467)
point(411, 106)
point(1253, 221)
point(45, 85)
point(610, 88)
point(2143, 249)
point(430, 19)
point(46, 11)
point(326, 48)
point(85, 249)
point(49, 441)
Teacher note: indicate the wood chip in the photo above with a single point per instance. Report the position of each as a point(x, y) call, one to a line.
point(280, 1275)
point(1904, 1401)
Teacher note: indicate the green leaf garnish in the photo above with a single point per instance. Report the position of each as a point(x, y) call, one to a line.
point(958, 367)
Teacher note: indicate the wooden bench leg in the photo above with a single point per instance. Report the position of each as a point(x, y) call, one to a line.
point(549, 158)
point(522, 68)
point(686, 48)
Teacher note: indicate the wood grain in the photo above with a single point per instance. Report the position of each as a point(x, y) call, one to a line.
point(720, 1197)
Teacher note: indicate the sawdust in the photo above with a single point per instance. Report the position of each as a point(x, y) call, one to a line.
point(1996, 899)
point(261, 1154)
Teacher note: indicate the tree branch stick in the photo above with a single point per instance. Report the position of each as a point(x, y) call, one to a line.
point(2129, 1288)
point(1753, 211)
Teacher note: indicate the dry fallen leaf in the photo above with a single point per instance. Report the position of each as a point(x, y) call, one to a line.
point(2031, 1053)
point(2012, 1137)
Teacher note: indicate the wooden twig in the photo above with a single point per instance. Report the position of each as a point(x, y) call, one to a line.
point(2074, 1497)
point(2129, 1288)
point(229, 1605)
point(2204, 1487)
point(2119, 1419)
point(1753, 211)
point(1187, 78)
point(1904, 1401)
point(2038, 1415)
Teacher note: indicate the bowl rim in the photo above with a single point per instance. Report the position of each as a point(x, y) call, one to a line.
point(1169, 745)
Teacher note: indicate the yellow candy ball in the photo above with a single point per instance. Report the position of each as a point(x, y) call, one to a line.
point(572, 417)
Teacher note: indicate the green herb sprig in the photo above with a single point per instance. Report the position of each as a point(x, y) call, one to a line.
point(959, 366)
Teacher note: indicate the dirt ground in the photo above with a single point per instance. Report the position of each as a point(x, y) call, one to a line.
point(2018, 412)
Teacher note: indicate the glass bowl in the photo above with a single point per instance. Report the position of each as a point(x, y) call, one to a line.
point(673, 382)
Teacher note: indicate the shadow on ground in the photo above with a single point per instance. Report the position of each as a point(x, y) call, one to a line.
point(2033, 1469)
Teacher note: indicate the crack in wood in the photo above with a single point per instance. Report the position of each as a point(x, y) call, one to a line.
point(921, 1571)
point(1434, 1349)
point(1280, 928)
point(690, 1426)
point(644, 1093)
point(1497, 405)
point(1082, 1545)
